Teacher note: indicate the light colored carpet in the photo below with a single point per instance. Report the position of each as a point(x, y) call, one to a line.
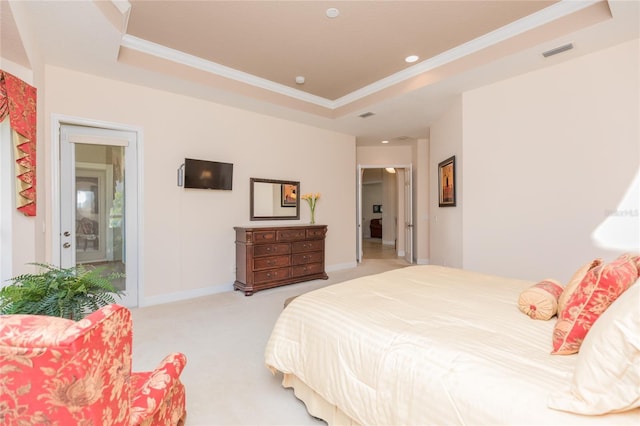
point(223, 337)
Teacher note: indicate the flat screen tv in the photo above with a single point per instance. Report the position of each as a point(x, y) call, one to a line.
point(202, 174)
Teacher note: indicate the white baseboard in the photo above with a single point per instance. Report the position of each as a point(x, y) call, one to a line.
point(341, 266)
point(184, 295)
point(422, 261)
point(208, 291)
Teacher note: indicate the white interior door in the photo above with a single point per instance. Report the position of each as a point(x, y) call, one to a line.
point(359, 214)
point(98, 203)
point(408, 212)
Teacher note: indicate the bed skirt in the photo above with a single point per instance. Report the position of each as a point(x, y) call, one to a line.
point(316, 405)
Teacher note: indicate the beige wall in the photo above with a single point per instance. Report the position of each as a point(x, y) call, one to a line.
point(421, 201)
point(547, 156)
point(188, 240)
point(445, 227)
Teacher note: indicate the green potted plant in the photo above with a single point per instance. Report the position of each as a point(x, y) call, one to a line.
point(69, 293)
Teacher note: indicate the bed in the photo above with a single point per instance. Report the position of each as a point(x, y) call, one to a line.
point(423, 345)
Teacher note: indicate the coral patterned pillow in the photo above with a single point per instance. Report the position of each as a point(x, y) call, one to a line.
point(541, 300)
point(575, 280)
point(599, 288)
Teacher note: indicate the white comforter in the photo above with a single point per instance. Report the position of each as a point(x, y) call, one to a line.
point(426, 345)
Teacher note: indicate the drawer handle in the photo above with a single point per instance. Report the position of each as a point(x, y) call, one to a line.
point(305, 258)
point(268, 248)
point(269, 275)
point(269, 262)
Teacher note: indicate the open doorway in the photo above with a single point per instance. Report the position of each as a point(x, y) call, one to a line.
point(378, 189)
point(383, 213)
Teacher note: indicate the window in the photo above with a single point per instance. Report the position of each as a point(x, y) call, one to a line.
point(6, 201)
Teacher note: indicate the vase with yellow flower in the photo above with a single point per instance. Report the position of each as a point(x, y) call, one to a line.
point(311, 200)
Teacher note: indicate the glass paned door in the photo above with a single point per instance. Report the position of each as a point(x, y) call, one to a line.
point(408, 211)
point(96, 205)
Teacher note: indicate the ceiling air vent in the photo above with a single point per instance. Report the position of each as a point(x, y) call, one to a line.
point(367, 114)
point(557, 50)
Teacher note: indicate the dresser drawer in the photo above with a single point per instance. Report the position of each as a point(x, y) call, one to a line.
point(301, 258)
point(291, 234)
point(311, 245)
point(271, 249)
point(264, 236)
point(271, 275)
point(315, 233)
point(307, 269)
point(270, 262)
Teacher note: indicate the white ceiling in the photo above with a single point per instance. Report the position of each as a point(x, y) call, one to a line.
point(247, 53)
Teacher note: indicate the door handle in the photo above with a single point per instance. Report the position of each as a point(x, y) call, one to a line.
point(67, 233)
point(66, 245)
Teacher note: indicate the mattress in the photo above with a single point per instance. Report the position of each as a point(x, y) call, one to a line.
point(425, 345)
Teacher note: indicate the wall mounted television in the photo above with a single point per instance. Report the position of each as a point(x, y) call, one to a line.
point(203, 174)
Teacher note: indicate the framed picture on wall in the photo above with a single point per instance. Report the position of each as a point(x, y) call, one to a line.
point(447, 182)
point(289, 196)
point(377, 208)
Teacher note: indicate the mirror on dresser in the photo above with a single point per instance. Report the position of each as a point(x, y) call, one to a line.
point(274, 199)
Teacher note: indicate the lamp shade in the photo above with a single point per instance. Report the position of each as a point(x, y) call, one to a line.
point(621, 229)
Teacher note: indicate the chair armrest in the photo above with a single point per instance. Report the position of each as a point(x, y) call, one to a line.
point(150, 388)
point(173, 364)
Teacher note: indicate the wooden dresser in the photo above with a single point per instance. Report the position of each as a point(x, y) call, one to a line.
point(269, 257)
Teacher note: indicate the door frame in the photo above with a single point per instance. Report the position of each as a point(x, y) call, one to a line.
point(57, 120)
point(104, 174)
point(408, 168)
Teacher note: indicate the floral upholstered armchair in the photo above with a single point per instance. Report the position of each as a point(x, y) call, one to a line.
point(55, 371)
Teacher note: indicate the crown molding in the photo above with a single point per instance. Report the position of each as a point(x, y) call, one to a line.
point(180, 57)
point(542, 17)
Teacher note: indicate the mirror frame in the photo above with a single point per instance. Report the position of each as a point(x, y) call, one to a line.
point(274, 181)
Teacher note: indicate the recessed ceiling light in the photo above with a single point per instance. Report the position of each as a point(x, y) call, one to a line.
point(411, 59)
point(332, 12)
point(385, 141)
point(300, 79)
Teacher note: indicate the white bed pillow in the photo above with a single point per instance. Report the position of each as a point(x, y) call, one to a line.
point(607, 373)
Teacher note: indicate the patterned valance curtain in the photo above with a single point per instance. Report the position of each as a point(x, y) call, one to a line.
point(18, 102)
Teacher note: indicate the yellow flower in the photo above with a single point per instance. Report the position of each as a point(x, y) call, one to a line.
point(311, 200)
point(311, 196)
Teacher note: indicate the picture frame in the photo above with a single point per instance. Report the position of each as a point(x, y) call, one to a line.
point(377, 208)
point(288, 196)
point(447, 182)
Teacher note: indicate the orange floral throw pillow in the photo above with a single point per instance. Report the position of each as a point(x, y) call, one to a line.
point(597, 290)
